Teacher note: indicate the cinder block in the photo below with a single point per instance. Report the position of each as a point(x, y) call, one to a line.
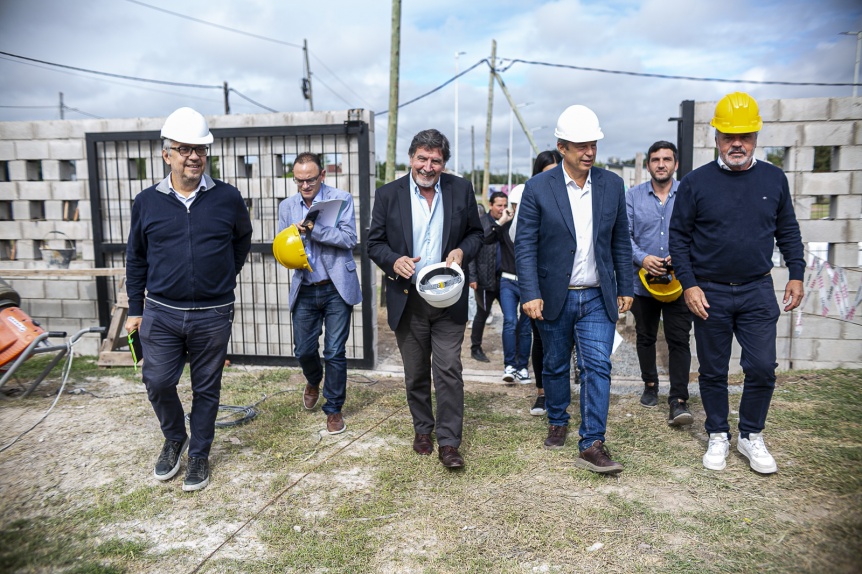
point(804, 109)
point(828, 133)
point(10, 230)
point(16, 130)
point(838, 351)
point(66, 149)
point(7, 150)
point(79, 309)
point(34, 190)
point(849, 158)
point(779, 135)
point(17, 169)
point(845, 108)
point(702, 156)
point(64, 190)
point(848, 206)
point(31, 149)
point(30, 289)
point(704, 136)
point(50, 170)
point(87, 290)
point(856, 183)
point(87, 250)
point(49, 309)
point(703, 112)
point(61, 289)
point(799, 158)
point(846, 255)
point(769, 110)
point(830, 183)
point(823, 230)
point(853, 233)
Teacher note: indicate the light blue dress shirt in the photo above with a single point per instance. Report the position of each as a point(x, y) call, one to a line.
point(427, 228)
point(649, 220)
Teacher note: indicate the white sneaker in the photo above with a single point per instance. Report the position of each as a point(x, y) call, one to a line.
point(716, 453)
point(509, 374)
point(755, 451)
point(523, 376)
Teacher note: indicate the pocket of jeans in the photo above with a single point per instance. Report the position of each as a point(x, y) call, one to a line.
point(226, 311)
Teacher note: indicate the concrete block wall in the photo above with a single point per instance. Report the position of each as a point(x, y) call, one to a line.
point(799, 126)
point(58, 150)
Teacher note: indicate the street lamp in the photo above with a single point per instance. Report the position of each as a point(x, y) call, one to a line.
point(456, 111)
point(858, 35)
point(511, 124)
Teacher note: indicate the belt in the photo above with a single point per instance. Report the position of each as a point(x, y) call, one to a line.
point(324, 282)
point(509, 276)
point(581, 287)
point(731, 284)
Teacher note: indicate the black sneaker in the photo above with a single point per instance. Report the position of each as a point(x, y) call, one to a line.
point(679, 414)
point(538, 407)
point(650, 397)
point(479, 355)
point(169, 459)
point(197, 474)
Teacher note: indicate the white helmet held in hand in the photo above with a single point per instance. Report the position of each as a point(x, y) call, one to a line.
point(578, 124)
point(439, 285)
point(187, 126)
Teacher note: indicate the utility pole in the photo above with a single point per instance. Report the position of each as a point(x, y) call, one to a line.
point(394, 64)
point(858, 35)
point(306, 81)
point(62, 107)
point(226, 100)
point(486, 178)
point(473, 156)
point(456, 112)
point(514, 107)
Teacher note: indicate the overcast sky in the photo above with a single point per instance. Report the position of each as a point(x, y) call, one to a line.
point(349, 42)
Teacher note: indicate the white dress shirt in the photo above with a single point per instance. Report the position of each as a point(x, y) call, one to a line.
point(584, 273)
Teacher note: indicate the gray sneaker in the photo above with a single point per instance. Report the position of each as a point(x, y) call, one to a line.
point(168, 463)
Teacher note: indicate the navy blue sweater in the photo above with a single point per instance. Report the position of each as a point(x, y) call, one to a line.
point(724, 224)
point(187, 259)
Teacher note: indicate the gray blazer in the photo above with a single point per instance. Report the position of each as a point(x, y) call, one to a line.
point(336, 244)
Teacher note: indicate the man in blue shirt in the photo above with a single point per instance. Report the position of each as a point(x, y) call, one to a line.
point(649, 206)
point(326, 294)
point(729, 215)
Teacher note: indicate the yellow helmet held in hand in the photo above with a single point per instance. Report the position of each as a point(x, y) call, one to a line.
point(737, 113)
point(289, 250)
point(665, 288)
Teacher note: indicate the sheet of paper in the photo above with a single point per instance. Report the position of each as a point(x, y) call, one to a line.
point(329, 211)
point(617, 340)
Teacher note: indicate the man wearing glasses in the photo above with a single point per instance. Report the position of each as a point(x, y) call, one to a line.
point(189, 238)
point(324, 294)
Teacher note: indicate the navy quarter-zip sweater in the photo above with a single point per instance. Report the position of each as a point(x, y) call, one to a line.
point(186, 258)
point(725, 224)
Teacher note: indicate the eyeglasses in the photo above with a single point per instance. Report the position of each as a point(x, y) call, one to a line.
point(186, 151)
point(304, 182)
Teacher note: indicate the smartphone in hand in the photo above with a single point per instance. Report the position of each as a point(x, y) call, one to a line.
point(135, 346)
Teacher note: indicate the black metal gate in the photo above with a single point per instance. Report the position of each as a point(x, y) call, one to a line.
point(257, 161)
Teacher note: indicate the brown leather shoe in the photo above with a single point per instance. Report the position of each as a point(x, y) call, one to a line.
point(450, 457)
point(310, 397)
point(556, 436)
point(423, 444)
point(335, 424)
point(598, 459)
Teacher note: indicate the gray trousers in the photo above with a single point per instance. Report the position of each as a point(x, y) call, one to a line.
point(425, 332)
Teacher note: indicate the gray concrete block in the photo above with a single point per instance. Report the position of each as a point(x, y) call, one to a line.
point(829, 183)
point(853, 233)
point(848, 206)
point(85, 310)
point(9, 190)
point(87, 251)
point(10, 230)
point(845, 108)
point(16, 130)
point(74, 190)
point(702, 156)
point(61, 289)
point(828, 133)
point(50, 170)
point(49, 309)
point(822, 230)
point(66, 149)
point(856, 183)
point(839, 351)
point(17, 169)
point(799, 158)
point(29, 289)
point(849, 158)
point(31, 149)
point(846, 255)
point(7, 150)
point(804, 109)
point(779, 135)
point(34, 190)
point(87, 290)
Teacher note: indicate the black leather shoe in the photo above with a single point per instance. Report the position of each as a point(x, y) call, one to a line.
point(479, 355)
point(450, 457)
point(423, 444)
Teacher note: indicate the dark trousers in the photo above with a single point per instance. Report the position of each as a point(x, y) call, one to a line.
point(169, 337)
point(316, 306)
point(425, 332)
point(677, 328)
point(537, 354)
point(750, 312)
point(484, 300)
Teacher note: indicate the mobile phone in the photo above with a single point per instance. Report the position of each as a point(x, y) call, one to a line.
point(135, 346)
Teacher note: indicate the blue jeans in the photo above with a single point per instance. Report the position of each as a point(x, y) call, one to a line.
point(751, 313)
point(169, 337)
point(583, 323)
point(517, 333)
point(318, 306)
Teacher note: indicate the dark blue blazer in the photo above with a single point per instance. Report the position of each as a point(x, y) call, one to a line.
point(545, 240)
point(391, 236)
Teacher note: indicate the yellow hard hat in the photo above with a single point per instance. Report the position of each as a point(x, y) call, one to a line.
point(737, 113)
point(665, 288)
point(289, 250)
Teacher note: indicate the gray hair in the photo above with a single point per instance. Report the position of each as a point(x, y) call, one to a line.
point(166, 145)
point(430, 139)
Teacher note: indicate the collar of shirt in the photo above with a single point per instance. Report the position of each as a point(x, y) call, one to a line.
point(588, 185)
point(313, 248)
point(723, 165)
point(165, 186)
point(584, 272)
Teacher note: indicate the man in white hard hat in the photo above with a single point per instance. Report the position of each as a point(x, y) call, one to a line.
point(419, 220)
point(189, 238)
point(325, 294)
point(729, 216)
point(573, 257)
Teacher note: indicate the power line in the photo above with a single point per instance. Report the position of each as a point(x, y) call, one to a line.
point(441, 86)
point(246, 98)
point(337, 95)
point(343, 83)
point(512, 62)
point(214, 25)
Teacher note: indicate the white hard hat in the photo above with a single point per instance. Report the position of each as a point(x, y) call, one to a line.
point(439, 285)
point(186, 125)
point(578, 124)
point(515, 194)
